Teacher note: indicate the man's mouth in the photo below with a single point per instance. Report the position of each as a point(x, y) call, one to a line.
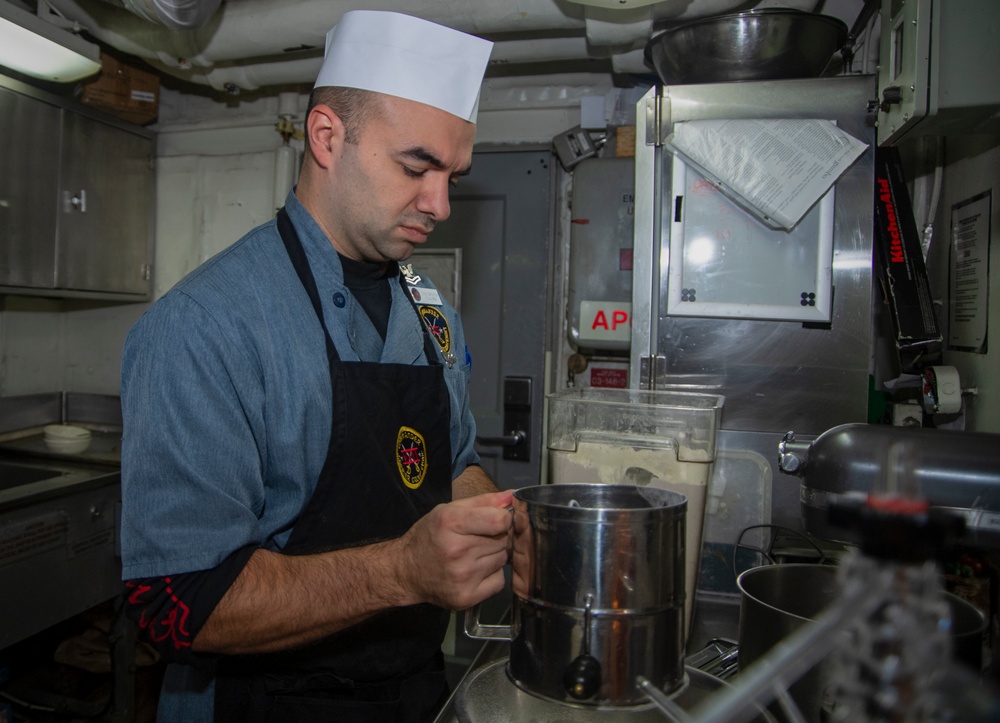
point(418, 233)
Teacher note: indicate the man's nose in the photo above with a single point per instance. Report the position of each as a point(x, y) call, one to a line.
point(433, 199)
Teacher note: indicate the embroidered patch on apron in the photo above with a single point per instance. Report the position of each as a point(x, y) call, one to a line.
point(411, 457)
point(438, 326)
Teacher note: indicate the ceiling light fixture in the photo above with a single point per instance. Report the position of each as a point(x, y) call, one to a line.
point(35, 47)
point(617, 4)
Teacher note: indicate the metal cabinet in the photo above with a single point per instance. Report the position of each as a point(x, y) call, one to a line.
point(76, 199)
point(29, 183)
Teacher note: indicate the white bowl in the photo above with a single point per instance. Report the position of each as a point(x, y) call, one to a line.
point(68, 446)
point(66, 439)
point(65, 431)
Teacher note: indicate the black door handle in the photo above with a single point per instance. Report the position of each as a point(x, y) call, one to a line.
point(514, 438)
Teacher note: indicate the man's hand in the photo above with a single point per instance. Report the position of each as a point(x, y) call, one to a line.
point(454, 555)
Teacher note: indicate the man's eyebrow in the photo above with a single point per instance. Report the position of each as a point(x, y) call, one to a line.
point(419, 153)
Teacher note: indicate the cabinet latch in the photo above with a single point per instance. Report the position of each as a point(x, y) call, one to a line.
point(77, 202)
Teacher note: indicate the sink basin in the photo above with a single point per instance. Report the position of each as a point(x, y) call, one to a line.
point(14, 475)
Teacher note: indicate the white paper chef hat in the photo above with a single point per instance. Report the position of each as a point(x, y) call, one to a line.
point(406, 57)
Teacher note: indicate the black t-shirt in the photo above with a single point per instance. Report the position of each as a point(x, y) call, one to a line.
point(369, 283)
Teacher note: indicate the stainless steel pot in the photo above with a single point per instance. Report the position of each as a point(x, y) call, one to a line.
point(598, 593)
point(777, 600)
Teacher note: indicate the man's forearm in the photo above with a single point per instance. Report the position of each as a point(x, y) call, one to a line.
point(282, 601)
point(473, 481)
point(452, 557)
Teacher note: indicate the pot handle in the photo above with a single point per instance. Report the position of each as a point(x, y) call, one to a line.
point(477, 631)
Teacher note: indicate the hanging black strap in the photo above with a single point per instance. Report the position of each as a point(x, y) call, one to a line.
point(298, 256)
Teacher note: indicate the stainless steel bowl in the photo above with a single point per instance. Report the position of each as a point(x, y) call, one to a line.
point(769, 44)
point(777, 600)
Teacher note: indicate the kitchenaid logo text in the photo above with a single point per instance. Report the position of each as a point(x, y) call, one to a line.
point(896, 255)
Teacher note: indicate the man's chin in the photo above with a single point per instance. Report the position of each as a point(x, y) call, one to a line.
point(403, 252)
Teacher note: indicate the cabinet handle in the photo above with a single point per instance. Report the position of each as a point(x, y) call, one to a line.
point(78, 202)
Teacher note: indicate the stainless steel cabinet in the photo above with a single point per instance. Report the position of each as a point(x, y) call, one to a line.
point(76, 199)
point(29, 184)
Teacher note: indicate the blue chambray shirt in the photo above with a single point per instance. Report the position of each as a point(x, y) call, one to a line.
point(226, 404)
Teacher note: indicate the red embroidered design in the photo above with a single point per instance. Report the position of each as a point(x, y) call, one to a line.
point(172, 625)
point(410, 455)
point(438, 326)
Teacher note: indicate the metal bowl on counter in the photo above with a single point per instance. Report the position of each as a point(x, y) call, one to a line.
point(778, 600)
point(488, 696)
point(767, 44)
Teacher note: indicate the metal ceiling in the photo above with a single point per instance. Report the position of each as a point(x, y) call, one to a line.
point(238, 45)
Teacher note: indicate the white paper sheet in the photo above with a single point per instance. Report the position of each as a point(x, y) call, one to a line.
point(775, 168)
point(970, 264)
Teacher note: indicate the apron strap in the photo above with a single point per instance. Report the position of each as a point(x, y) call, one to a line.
point(298, 257)
point(297, 254)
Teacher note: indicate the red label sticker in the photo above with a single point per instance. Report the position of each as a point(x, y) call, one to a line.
point(625, 259)
point(610, 378)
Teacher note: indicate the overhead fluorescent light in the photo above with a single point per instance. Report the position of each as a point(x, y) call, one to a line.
point(617, 4)
point(41, 50)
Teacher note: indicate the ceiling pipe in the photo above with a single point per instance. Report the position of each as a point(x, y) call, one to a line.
point(263, 28)
point(234, 78)
point(173, 14)
point(244, 44)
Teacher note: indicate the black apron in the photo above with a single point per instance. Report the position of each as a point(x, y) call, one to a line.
point(387, 465)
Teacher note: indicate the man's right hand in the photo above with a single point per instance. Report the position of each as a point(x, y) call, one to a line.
point(453, 557)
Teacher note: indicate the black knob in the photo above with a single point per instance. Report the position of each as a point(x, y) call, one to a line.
point(582, 678)
point(891, 96)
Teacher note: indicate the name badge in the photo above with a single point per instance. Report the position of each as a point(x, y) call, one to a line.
point(426, 296)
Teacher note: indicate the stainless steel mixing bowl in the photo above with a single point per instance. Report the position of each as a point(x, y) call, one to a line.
point(768, 44)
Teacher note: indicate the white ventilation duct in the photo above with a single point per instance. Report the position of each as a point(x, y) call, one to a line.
point(173, 14)
point(250, 76)
point(240, 43)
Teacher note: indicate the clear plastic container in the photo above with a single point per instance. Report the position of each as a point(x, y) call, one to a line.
point(662, 439)
point(684, 421)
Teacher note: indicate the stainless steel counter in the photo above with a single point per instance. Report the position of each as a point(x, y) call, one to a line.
point(498, 699)
point(105, 446)
point(58, 540)
point(58, 513)
point(23, 419)
point(32, 480)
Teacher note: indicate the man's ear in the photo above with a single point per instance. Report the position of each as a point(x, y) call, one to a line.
point(326, 134)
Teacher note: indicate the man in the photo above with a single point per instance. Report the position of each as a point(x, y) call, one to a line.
point(302, 502)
